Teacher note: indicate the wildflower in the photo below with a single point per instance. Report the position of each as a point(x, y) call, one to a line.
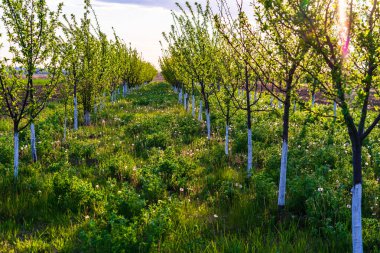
point(97, 186)
point(348, 206)
point(320, 189)
point(118, 192)
point(87, 217)
point(39, 192)
point(181, 189)
point(366, 164)
point(216, 216)
point(134, 168)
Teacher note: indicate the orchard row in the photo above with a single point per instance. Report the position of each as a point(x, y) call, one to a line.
point(54, 56)
point(282, 48)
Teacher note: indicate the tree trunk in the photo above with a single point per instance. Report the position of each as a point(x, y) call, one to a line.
point(75, 113)
point(200, 115)
point(180, 96)
point(87, 118)
point(187, 102)
point(184, 100)
point(284, 153)
point(33, 142)
point(193, 106)
point(356, 207)
point(249, 123)
point(65, 123)
point(357, 241)
point(313, 100)
point(226, 146)
point(208, 121)
point(16, 153)
point(334, 109)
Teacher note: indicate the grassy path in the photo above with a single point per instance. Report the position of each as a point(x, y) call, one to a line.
point(143, 178)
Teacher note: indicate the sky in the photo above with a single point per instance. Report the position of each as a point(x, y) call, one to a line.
point(139, 22)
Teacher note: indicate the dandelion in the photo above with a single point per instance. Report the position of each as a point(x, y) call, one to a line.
point(348, 206)
point(181, 189)
point(320, 189)
point(366, 164)
point(87, 217)
point(216, 216)
point(97, 186)
point(39, 192)
point(118, 192)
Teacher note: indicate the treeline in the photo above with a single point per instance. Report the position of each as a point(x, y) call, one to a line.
point(283, 47)
point(82, 63)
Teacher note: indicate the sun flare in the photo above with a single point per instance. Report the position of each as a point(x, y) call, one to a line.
point(343, 29)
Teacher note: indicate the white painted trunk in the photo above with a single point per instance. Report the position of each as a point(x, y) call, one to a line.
point(16, 154)
point(193, 106)
point(200, 115)
point(184, 100)
point(95, 108)
point(87, 118)
point(334, 109)
point(279, 104)
point(124, 90)
point(226, 140)
point(357, 241)
point(75, 113)
point(249, 163)
point(187, 102)
point(180, 96)
point(208, 121)
point(282, 185)
point(33, 142)
point(313, 100)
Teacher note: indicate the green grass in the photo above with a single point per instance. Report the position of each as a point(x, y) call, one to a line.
point(143, 178)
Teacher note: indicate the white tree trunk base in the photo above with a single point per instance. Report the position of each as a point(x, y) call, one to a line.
point(75, 113)
point(250, 153)
point(33, 142)
point(357, 240)
point(226, 140)
point(282, 185)
point(15, 154)
point(208, 121)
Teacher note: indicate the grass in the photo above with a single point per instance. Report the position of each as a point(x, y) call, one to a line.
point(143, 178)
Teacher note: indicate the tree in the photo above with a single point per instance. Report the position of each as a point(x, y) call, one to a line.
point(238, 35)
point(31, 30)
point(346, 38)
point(73, 53)
point(193, 39)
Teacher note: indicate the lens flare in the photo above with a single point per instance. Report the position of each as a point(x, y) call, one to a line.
point(343, 26)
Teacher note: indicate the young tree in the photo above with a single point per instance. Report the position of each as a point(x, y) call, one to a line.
point(31, 30)
point(237, 34)
point(346, 37)
point(73, 53)
point(193, 39)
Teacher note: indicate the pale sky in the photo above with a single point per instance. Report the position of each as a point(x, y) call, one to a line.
point(139, 22)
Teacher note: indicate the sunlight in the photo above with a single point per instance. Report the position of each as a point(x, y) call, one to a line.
point(343, 23)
